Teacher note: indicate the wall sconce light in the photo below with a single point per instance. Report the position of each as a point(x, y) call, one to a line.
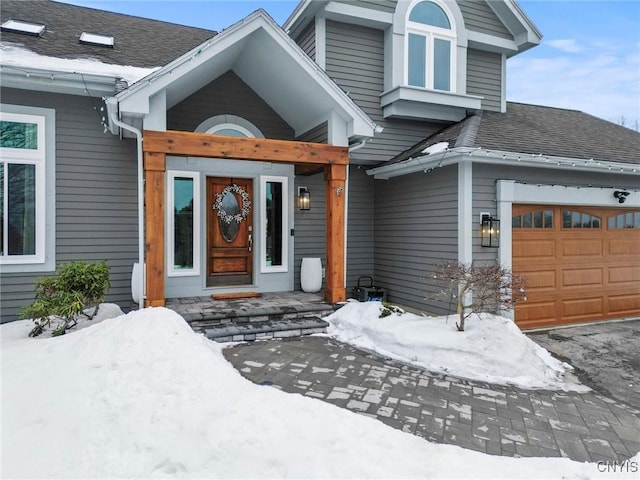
point(490, 230)
point(304, 198)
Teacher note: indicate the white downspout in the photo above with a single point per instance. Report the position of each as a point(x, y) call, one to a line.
point(111, 103)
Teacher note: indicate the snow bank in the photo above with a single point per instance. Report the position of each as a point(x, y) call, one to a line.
point(491, 349)
point(141, 395)
point(26, 59)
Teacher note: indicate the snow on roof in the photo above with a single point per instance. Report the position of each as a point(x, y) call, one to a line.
point(436, 148)
point(26, 60)
point(96, 39)
point(23, 27)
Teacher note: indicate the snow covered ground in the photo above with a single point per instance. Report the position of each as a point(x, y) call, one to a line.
point(491, 349)
point(141, 395)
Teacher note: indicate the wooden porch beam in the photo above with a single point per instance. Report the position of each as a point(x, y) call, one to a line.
point(335, 178)
point(260, 149)
point(154, 170)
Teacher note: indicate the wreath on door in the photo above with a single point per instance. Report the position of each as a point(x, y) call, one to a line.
point(244, 211)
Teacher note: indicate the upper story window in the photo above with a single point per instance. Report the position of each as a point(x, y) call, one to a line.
point(431, 46)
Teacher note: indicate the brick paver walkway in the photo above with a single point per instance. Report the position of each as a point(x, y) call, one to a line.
point(492, 419)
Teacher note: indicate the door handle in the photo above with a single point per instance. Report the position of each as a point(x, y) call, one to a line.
point(250, 242)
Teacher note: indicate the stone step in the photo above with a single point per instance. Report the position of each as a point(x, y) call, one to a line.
point(205, 318)
point(261, 330)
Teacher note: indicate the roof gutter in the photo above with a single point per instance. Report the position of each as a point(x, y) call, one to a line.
point(427, 163)
point(45, 80)
point(112, 111)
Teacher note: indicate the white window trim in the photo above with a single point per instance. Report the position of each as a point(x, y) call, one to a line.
point(431, 33)
point(215, 123)
point(264, 268)
point(231, 126)
point(171, 271)
point(28, 157)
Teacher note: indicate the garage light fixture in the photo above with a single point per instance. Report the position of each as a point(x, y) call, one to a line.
point(490, 230)
point(621, 195)
point(304, 198)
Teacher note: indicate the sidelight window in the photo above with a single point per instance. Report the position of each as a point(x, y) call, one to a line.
point(183, 223)
point(274, 224)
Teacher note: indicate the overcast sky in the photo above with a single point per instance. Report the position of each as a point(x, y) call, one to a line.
point(589, 58)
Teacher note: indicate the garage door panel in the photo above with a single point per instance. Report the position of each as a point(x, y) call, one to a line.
point(580, 271)
point(581, 308)
point(582, 277)
point(540, 280)
point(624, 247)
point(533, 312)
point(624, 275)
point(583, 247)
point(624, 304)
point(534, 250)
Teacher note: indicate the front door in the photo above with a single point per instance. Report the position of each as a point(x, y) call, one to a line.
point(229, 231)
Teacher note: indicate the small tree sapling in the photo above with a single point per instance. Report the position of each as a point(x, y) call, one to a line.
point(64, 296)
point(479, 288)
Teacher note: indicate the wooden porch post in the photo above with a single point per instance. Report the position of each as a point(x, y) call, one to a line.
point(154, 170)
point(335, 177)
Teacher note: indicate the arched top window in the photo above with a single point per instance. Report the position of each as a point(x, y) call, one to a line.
point(431, 47)
point(428, 13)
point(230, 125)
point(625, 220)
point(534, 219)
point(230, 130)
point(574, 219)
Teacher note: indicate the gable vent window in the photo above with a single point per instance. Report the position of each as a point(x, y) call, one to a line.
point(95, 39)
point(431, 42)
point(18, 26)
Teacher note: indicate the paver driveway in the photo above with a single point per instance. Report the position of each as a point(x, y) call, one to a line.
point(492, 419)
point(606, 355)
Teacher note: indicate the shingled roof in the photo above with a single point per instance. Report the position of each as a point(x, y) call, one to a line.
point(139, 41)
point(534, 129)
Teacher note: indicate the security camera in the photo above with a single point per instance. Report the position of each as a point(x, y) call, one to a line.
point(620, 195)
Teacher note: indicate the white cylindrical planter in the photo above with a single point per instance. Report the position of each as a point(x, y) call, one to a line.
point(311, 275)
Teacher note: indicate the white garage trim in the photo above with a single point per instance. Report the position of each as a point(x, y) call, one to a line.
point(510, 192)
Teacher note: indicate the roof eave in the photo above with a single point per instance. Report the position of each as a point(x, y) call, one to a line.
point(427, 163)
point(135, 99)
point(57, 81)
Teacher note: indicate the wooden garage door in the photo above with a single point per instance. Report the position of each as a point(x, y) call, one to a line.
point(581, 264)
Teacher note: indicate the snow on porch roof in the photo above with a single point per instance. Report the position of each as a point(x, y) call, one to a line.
point(267, 60)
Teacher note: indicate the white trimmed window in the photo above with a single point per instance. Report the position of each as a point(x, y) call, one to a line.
point(275, 225)
point(430, 47)
point(183, 223)
point(22, 188)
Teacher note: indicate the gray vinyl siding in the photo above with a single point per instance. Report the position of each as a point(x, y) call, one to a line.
point(360, 226)
point(228, 95)
point(307, 40)
point(479, 17)
point(484, 78)
point(310, 225)
point(96, 198)
point(318, 134)
point(388, 6)
point(416, 227)
point(355, 61)
point(484, 191)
